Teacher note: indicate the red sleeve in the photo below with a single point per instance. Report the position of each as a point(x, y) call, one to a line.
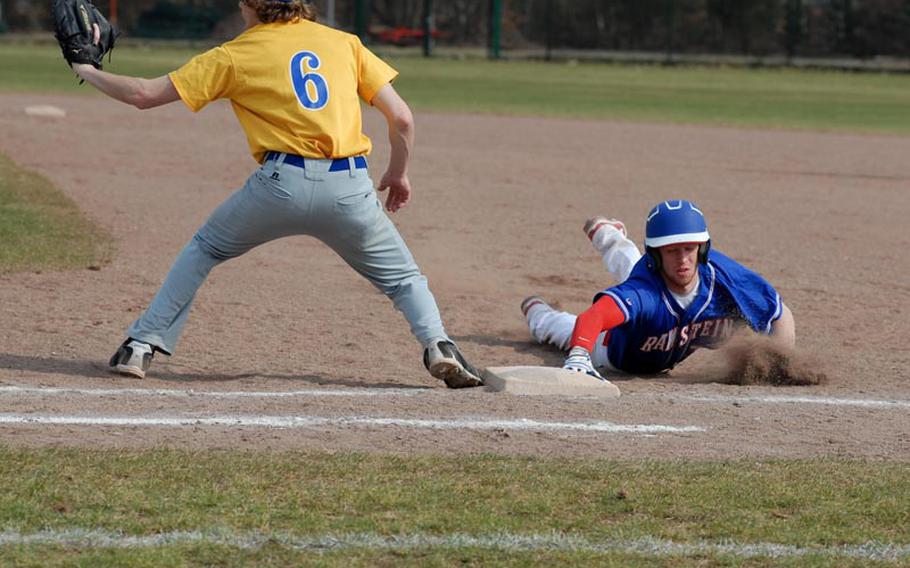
point(604, 315)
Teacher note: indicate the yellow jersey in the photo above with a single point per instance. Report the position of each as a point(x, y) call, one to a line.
point(294, 86)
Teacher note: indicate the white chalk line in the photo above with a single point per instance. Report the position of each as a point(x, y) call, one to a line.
point(782, 399)
point(393, 392)
point(646, 546)
point(353, 392)
point(350, 421)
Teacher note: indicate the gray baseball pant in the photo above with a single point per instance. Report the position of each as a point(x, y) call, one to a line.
point(340, 208)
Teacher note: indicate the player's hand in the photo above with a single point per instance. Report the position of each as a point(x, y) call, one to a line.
point(399, 190)
point(579, 360)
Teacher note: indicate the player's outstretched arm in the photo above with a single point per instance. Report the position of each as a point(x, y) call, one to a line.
point(603, 315)
point(141, 93)
point(784, 329)
point(401, 138)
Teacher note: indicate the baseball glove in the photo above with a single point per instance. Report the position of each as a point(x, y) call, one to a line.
point(84, 34)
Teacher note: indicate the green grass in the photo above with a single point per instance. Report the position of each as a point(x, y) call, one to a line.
point(41, 228)
point(776, 98)
point(40, 68)
point(820, 503)
point(824, 100)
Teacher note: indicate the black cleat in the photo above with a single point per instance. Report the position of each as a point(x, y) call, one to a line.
point(443, 360)
point(133, 358)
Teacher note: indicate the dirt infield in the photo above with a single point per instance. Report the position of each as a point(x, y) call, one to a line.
point(496, 216)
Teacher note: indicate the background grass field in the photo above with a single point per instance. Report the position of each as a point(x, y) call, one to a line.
point(824, 100)
point(256, 508)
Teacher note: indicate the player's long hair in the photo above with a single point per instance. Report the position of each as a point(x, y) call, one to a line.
point(270, 11)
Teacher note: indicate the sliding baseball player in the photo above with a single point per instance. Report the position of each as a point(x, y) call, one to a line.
point(681, 295)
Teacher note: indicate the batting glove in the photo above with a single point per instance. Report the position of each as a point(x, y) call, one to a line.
point(579, 360)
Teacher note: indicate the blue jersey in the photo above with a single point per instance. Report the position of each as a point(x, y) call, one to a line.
point(658, 333)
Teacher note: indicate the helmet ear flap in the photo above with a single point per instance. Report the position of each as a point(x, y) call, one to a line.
point(654, 258)
point(703, 249)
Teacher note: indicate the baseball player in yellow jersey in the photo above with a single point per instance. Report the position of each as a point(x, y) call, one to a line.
point(295, 86)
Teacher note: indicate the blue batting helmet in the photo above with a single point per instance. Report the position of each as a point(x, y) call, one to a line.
point(672, 222)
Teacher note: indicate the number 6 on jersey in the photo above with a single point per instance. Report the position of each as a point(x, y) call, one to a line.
point(307, 84)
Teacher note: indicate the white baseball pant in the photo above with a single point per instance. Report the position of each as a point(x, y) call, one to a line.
point(619, 255)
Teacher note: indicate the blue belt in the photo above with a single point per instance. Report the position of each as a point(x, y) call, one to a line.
point(338, 164)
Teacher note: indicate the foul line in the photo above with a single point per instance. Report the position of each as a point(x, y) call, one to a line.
point(352, 421)
point(781, 399)
point(646, 546)
point(354, 392)
point(393, 392)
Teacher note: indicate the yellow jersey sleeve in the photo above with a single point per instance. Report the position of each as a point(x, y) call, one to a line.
point(207, 77)
point(372, 73)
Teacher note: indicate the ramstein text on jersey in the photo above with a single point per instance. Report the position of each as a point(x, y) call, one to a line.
point(720, 329)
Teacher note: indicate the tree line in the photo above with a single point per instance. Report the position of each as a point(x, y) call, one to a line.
point(857, 28)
